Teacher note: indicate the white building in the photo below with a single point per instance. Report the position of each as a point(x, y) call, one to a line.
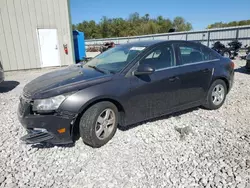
point(35, 34)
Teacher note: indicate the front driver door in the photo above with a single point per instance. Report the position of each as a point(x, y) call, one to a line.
point(154, 95)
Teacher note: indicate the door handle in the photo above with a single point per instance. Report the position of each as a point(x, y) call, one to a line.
point(205, 70)
point(174, 78)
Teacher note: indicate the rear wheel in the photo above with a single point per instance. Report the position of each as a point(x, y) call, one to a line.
point(216, 95)
point(99, 124)
point(226, 53)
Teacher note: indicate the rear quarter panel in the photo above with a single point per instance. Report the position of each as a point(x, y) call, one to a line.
point(224, 71)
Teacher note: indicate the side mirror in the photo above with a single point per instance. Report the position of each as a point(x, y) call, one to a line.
point(144, 69)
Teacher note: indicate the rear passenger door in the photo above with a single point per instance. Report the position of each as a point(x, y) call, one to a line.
point(195, 73)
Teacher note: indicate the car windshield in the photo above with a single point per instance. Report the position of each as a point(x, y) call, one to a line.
point(115, 59)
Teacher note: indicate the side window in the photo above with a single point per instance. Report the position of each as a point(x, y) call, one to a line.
point(209, 54)
point(154, 54)
point(161, 57)
point(190, 53)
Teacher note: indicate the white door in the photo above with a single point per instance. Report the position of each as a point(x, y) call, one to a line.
point(49, 48)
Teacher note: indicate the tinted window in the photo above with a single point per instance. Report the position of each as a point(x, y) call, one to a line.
point(190, 53)
point(154, 54)
point(209, 54)
point(161, 57)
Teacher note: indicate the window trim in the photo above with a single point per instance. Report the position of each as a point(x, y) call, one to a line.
point(176, 54)
point(159, 46)
point(177, 48)
point(188, 64)
point(203, 48)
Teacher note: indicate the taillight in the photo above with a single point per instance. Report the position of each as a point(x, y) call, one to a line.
point(232, 65)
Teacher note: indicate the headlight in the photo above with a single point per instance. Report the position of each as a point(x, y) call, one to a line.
point(48, 104)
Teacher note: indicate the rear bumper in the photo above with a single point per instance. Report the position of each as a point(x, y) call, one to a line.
point(46, 128)
point(231, 81)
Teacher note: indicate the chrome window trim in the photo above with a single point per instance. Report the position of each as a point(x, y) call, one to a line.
point(188, 64)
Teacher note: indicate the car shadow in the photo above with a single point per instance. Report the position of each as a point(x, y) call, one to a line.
point(126, 128)
point(48, 145)
point(176, 114)
point(242, 70)
point(7, 86)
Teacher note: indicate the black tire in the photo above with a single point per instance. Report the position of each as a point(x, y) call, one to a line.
point(88, 120)
point(248, 65)
point(209, 100)
point(226, 51)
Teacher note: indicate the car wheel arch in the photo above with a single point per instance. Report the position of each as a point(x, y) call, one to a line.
point(75, 126)
point(221, 78)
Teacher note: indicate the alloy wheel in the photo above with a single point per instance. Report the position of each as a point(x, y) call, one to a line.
point(105, 124)
point(218, 94)
point(226, 54)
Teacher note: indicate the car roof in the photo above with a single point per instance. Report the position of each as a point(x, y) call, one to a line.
point(148, 43)
point(145, 43)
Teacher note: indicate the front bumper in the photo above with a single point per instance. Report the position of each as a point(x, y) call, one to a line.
point(49, 124)
point(34, 137)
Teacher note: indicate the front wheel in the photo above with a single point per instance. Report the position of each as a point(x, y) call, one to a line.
point(216, 95)
point(99, 124)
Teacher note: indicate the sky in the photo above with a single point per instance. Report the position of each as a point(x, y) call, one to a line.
point(199, 13)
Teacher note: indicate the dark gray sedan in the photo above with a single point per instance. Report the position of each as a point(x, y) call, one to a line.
point(125, 85)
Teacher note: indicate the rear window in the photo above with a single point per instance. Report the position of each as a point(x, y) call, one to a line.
point(209, 54)
point(190, 53)
point(195, 53)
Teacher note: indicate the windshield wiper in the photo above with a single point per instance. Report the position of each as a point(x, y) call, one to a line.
point(96, 68)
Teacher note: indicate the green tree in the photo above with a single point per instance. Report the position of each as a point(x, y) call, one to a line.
point(134, 25)
point(189, 26)
point(229, 24)
point(164, 24)
point(181, 25)
point(146, 17)
point(104, 25)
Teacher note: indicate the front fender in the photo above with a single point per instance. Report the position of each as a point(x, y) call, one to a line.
point(77, 102)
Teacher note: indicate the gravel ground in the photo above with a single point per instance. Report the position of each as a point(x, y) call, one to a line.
point(196, 148)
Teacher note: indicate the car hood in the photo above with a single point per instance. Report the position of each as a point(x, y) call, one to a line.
point(67, 80)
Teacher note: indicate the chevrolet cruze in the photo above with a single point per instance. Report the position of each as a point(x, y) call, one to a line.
point(125, 85)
